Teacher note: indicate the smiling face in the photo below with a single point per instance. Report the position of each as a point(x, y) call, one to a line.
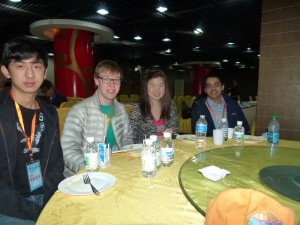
point(108, 85)
point(156, 88)
point(26, 75)
point(213, 88)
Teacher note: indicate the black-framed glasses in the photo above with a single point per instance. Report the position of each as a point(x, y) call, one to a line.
point(107, 80)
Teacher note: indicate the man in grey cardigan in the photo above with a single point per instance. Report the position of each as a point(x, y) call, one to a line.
point(100, 116)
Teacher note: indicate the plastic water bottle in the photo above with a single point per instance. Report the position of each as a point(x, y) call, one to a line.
point(224, 126)
point(273, 131)
point(238, 134)
point(157, 149)
point(167, 150)
point(91, 155)
point(148, 157)
point(201, 130)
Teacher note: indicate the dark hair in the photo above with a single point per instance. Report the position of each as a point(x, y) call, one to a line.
point(20, 48)
point(46, 85)
point(213, 75)
point(165, 100)
point(107, 65)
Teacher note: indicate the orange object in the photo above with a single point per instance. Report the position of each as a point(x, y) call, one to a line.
point(235, 206)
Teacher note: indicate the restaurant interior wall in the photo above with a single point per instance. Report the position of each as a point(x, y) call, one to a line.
point(279, 69)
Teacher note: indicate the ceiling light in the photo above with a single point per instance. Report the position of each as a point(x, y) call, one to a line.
point(116, 37)
point(161, 7)
point(198, 31)
point(138, 37)
point(50, 54)
point(15, 0)
point(166, 39)
point(196, 49)
point(168, 50)
point(225, 60)
point(103, 9)
point(230, 44)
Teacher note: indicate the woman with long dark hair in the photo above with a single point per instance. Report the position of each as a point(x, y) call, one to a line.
point(156, 112)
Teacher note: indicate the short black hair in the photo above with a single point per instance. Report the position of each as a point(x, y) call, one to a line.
point(46, 85)
point(213, 75)
point(20, 48)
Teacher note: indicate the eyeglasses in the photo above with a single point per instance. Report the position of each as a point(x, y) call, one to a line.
point(106, 80)
point(210, 86)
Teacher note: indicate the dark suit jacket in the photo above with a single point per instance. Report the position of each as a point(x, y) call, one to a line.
point(234, 113)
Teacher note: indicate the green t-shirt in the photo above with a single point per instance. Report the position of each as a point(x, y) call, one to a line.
point(110, 136)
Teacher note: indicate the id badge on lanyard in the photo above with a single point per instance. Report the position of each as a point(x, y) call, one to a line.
point(33, 167)
point(34, 175)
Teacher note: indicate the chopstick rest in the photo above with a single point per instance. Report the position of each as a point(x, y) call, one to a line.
point(213, 173)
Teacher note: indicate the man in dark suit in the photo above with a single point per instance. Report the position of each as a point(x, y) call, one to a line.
point(54, 97)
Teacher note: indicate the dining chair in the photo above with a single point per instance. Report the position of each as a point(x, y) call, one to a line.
point(124, 98)
point(67, 104)
point(62, 114)
point(134, 98)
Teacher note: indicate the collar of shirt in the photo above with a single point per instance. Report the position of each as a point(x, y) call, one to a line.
point(218, 109)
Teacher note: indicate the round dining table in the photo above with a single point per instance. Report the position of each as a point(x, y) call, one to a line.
point(163, 199)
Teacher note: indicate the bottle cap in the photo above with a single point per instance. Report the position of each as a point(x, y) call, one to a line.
point(202, 116)
point(167, 134)
point(240, 123)
point(148, 141)
point(223, 119)
point(153, 137)
point(274, 117)
point(90, 139)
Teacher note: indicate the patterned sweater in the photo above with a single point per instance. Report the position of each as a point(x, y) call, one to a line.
point(141, 127)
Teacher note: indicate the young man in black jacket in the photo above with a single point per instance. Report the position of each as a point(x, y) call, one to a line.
point(31, 160)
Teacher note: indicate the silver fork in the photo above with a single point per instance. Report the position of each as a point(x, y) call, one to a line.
point(86, 180)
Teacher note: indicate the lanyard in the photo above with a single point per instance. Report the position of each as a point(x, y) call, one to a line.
point(214, 113)
point(33, 122)
point(108, 120)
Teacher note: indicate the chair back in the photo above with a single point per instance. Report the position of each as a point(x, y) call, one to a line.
point(67, 104)
point(134, 98)
point(124, 98)
point(62, 114)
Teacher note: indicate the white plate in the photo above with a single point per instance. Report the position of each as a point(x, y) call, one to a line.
point(75, 186)
point(186, 137)
point(133, 148)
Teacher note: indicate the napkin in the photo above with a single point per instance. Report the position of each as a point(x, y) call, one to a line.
point(213, 172)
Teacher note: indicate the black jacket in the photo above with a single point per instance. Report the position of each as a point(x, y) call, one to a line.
point(12, 203)
point(234, 113)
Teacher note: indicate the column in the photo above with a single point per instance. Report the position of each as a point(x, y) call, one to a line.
point(74, 62)
point(199, 72)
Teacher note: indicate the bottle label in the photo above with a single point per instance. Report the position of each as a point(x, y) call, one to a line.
point(238, 136)
point(273, 137)
point(202, 128)
point(91, 159)
point(148, 163)
point(167, 155)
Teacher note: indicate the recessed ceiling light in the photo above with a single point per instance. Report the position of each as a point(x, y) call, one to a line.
point(225, 60)
point(138, 38)
point(230, 44)
point(15, 0)
point(162, 9)
point(166, 39)
point(103, 10)
point(198, 31)
point(116, 37)
point(196, 49)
